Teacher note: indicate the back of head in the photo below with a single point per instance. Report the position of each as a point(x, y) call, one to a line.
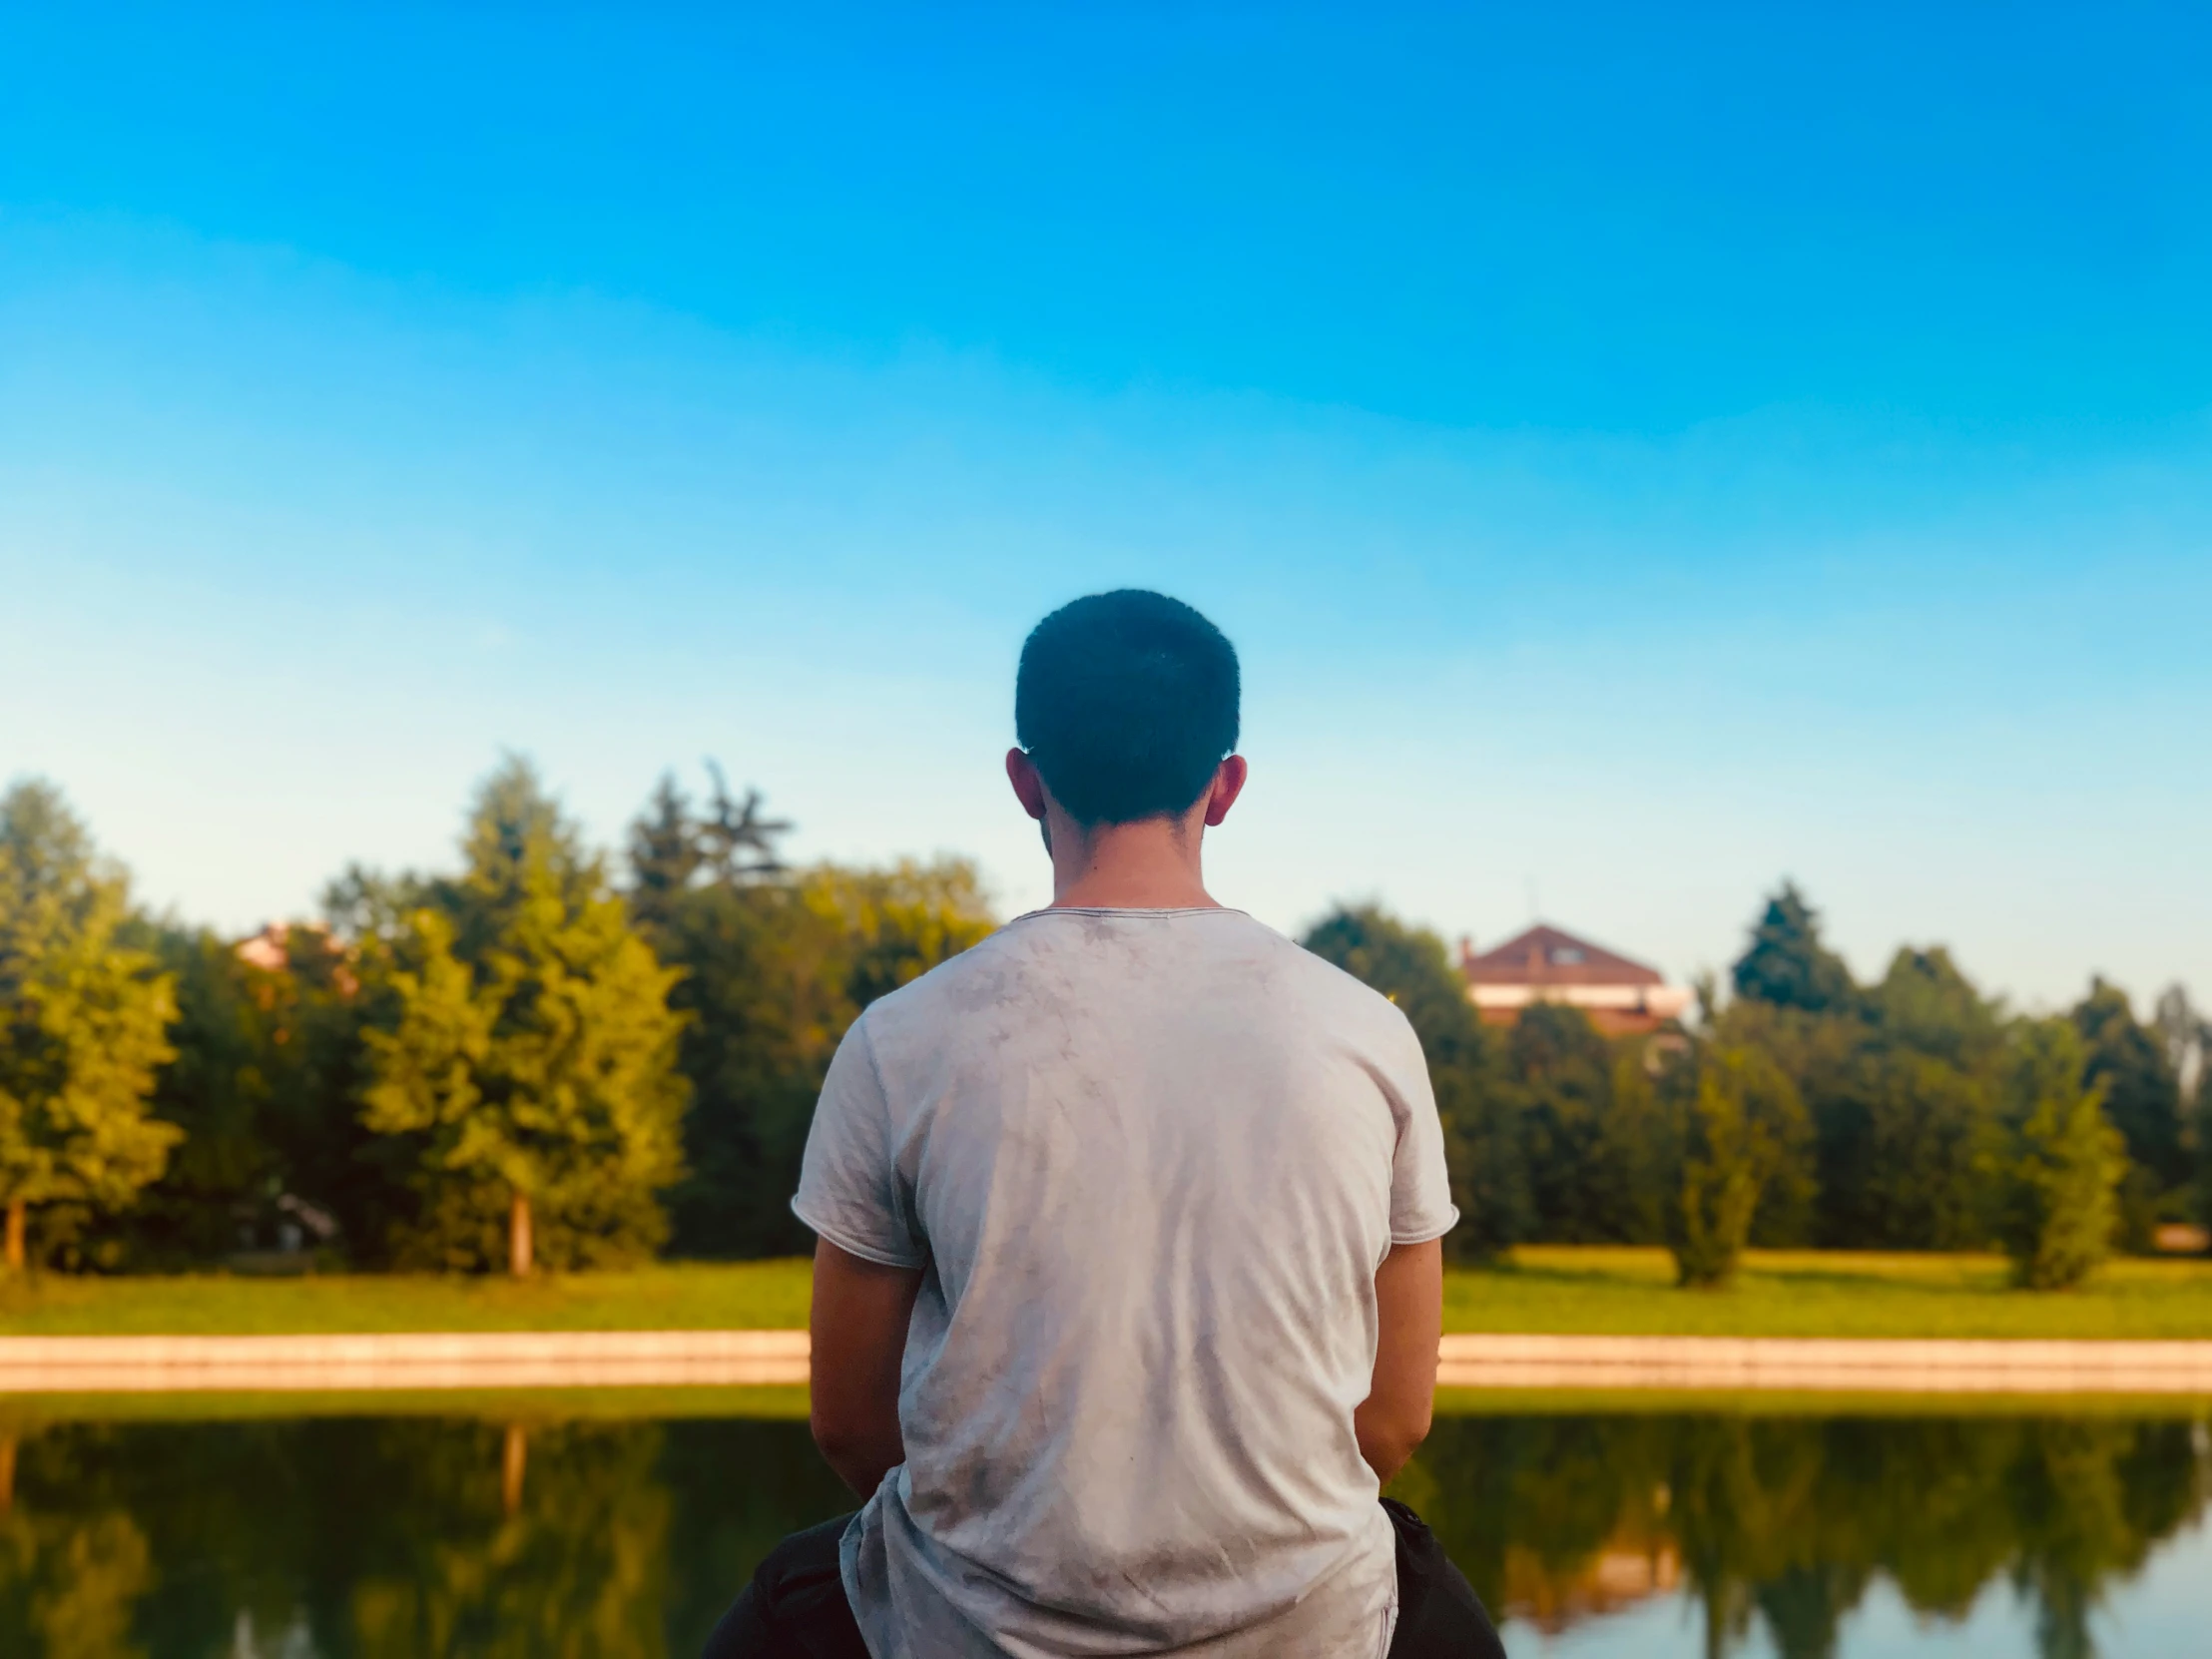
point(1126, 703)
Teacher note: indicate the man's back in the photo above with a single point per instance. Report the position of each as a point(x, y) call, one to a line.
point(1150, 1161)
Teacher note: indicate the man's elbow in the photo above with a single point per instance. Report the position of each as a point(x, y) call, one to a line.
point(837, 1435)
point(1410, 1428)
point(1388, 1440)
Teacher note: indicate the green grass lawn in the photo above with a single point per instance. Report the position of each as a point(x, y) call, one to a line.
point(1548, 1287)
point(687, 1295)
point(1813, 1292)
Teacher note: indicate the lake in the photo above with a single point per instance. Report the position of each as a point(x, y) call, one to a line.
point(527, 1527)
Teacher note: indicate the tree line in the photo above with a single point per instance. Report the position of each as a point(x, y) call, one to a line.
point(1810, 1110)
point(550, 1056)
point(545, 1057)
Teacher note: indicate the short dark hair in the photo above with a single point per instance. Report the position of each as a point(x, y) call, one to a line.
point(1126, 702)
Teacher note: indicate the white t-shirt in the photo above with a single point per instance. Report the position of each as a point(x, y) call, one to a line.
point(1149, 1161)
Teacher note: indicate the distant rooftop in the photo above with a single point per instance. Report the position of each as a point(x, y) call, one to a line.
point(1550, 964)
point(271, 950)
point(1549, 956)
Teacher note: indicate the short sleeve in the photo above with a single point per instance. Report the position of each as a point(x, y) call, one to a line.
point(848, 1186)
point(1421, 1184)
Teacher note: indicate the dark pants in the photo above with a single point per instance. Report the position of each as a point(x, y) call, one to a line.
point(794, 1608)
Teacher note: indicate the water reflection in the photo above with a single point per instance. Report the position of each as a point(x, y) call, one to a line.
point(314, 1538)
point(1787, 1522)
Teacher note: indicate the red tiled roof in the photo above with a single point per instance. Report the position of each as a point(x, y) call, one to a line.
point(1549, 956)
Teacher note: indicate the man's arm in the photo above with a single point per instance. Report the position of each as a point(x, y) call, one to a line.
point(859, 1333)
point(1410, 1302)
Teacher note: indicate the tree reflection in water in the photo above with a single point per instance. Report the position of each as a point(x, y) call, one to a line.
point(514, 1535)
point(1790, 1519)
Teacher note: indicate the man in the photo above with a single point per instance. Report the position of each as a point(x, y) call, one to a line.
point(1129, 1277)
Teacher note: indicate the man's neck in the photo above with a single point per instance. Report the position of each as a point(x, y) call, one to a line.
point(1151, 865)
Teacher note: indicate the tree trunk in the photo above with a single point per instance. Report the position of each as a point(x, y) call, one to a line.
point(514, 1455)
point(518, 1235)
point(7, 1473)
point(15, 1250)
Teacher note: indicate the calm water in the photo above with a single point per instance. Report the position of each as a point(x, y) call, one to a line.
point(1598, 1536)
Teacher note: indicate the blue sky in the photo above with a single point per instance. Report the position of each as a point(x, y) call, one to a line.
point(1641, 452)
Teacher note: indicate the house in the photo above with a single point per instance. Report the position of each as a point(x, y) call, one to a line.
point(1546, 964)
point(270, 951)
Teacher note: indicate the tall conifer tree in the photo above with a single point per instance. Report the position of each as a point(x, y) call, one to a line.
point(1787, 964)
point(82, 1022)
point(530, 1053)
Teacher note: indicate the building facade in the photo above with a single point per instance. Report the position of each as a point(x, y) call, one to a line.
point(1548, 964)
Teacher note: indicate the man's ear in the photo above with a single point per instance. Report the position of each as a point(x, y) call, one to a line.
point(1229, 782)
point(1021, 772)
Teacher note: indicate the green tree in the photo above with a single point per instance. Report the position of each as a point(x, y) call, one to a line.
point(530, 1052)
point(2186, 1037)
point(1935, 1058)
point(82, 1018)
point(1559, 1073)
point(2142, 1100)
point(672, 846)
point(1819, 1196)
point(1803, 1051)
point(1736, 1118)
point(1785, 964)
point(2059, 1163)
point(320, 1012)
point(1633, 1147)
point(217, 1089)
point(2200, 1118)
point(1932, 1124)
point(1482, 1131)
point(1903, 1091)
point(777, 966)
point(1900, 1083)
point(776, 973)
point(265, 1086)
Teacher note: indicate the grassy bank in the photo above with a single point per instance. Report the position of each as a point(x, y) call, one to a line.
point(687, 1295)
point(1823, 1293)
point(1547, 1289)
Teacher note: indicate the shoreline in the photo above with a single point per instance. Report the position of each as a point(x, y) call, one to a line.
point(527, 1359)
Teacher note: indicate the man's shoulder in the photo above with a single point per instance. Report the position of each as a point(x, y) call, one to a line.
point(957, 980)
point(1345, 995)
point(1003, 968)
